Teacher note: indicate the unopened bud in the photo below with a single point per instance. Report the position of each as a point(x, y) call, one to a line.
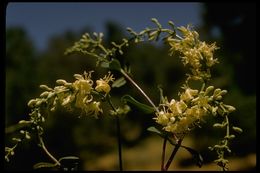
point(61, 82)
point(223, 92)
point(31, 103)
point(45, 87)
point(209, 89)
point(237, 129)
point(216, 92)
point(44, 94)
point(230, 108)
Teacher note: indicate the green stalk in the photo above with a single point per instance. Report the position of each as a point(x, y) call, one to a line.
point(142, 92)
point(176, 148)
point(118, 135)
point(47, 152)
point(163, 153)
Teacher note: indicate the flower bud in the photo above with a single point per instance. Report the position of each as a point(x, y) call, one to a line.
point(219, 97)
point(44, 94)
point(61, 82)
point(78, 76)
point(229, 108)
point(223, 92)
point(32, 102)
point(237, 129)
point(38, 103)
point(230, 137)
point(217, 92)
point(50, 95)
point(24, 122)
point(218, 125)
point(45, 87)
point(27, 136)
point(209, 89)
point(214, 110)
point(16, 139)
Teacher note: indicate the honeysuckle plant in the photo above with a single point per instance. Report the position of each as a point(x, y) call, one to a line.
point(174, 118)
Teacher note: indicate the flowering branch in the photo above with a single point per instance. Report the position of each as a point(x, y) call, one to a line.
point(175, 117)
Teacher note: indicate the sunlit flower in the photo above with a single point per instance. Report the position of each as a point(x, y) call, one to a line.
point(178, 107)
point(188, 94)
point(207, 52)
point(83, 84)
point(102, 84)
point(196, 112)
point(194, 53)
point(163, 118)
point(93, 108)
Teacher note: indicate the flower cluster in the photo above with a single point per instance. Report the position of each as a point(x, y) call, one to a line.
point(78, 94)
point(179, 117)
point(195, 53)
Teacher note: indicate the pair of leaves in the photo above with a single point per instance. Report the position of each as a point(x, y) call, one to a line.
point(63, 160)
point(114, 64)
point(195, 154)
point(143, 107)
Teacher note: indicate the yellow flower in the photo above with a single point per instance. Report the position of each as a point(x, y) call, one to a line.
point(83, 100)
point(93, 108)
point(192, 57)
point(207, 51)
point(181, 126)
point(188, 94)
point(195, 112)
point(83, 86)
point(177, 108)
point(162, 118)
point(202, 101)
point(171, 128)
point(102, 84)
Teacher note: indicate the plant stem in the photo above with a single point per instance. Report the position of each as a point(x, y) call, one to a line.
point(135, 84)
point(163, 153)
point(118, 135)
point(47, 152)
point(119, 143)
point(176, 148)
point(227, 132)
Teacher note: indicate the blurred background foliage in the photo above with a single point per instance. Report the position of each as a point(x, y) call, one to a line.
point(232, 27)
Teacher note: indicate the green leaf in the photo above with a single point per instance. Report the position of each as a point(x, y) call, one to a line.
point(104, 64)
point(196, 155)
point(156, 131)
point(43, 165)
point(162, 134)
point(114, 64)
point(145, 108)
point(119, 82)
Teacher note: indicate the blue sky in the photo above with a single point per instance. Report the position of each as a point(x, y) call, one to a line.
point(43, 20)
